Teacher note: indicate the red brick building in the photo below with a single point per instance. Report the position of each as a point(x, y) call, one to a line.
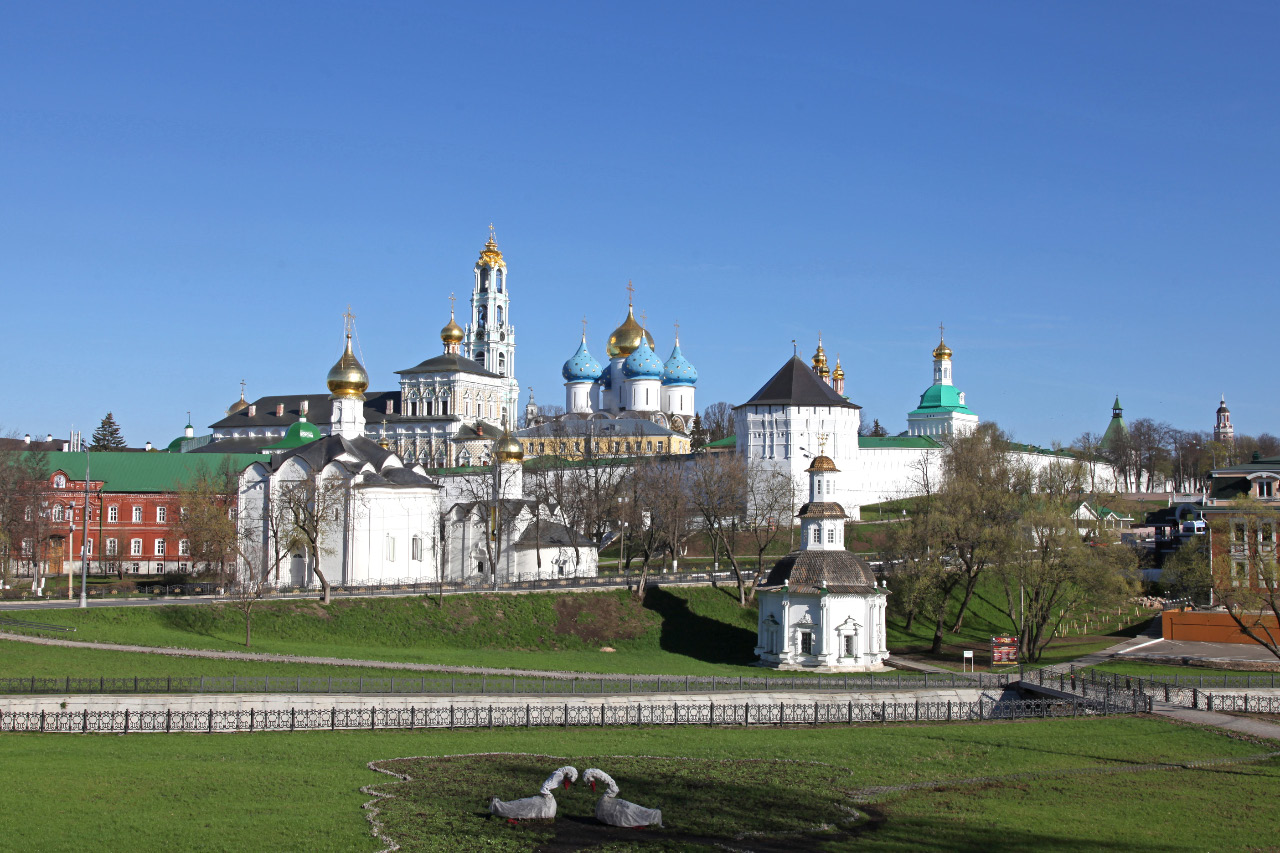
point(133, 514)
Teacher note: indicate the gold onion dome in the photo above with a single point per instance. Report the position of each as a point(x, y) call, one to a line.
point(626, 338)
point(822, 463)
point(838, 373)
point(348, 378)
point(507, 449)
point(490, 256)
point(239, 405)
point(452, 333)
point(820, 359)
point(942, 350)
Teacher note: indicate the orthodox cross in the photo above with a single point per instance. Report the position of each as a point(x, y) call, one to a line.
point(644, 320)
point(822, 444)
point(451, 298)
point(348, 320)
point(491, 237)
point(584, 327)
point(677, 325)
point(630, 291)
point(941, 330)
point(241, 387)
point(188, 416)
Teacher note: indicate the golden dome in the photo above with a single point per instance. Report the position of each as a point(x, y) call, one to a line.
point(820, 360)
point(942, 350)
point(507, 449)
point(489, 255)
point(238, 405)
point(822, 463)
point(838, 373)
point(348, 378)
point(626, 338)
point(452, 333)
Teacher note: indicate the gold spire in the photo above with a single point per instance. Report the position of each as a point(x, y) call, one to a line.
point(347, 378)
point(941, 351)
point(838, 373)
point(490, 256)
point(626, 338)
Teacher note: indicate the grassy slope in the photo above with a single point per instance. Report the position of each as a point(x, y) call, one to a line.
point(1123, 667)
point(299, 791)
point(678, 631)
point(695, 631)
point(984, 619)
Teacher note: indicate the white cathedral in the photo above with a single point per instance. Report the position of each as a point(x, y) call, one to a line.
point(448, 409)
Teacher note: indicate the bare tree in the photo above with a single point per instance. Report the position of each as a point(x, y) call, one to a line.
point(658, 513)
point(247, 582)
point(771, 505)
point(717, 420)
point(1244, 570)
point(314, 509)
point(207, 519)
point(717, 486)
point(498, 515)
point(22, 484)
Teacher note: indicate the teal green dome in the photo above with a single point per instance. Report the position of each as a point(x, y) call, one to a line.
point(941, 398)
point(298, 434)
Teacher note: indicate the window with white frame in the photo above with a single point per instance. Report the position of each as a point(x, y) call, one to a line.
point(159, 547)
point(27, 547)
point(817, 535)
point(831, 535)
point(112, 547)
point(848, 645)
point(59, 482)
point(162, 514)
point(137, 514)
point(113, 514)
point(1266, 488)
point(88, 546)
point(806, 642)
point(182, 513)
point(135, 547)
point(57, 512)
point(391, 549)
point(416, 549)
point(184, 547)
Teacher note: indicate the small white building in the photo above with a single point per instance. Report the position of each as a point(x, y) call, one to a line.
point(820, 607)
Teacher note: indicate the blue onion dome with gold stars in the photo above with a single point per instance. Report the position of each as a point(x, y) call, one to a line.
point(582, 367)
point(643, 363)
point(678, 370)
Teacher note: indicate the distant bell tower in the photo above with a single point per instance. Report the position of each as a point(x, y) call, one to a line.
point(1223, 431)
point(490, 339)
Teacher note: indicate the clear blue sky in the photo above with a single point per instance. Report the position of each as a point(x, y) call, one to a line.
point(190, 194)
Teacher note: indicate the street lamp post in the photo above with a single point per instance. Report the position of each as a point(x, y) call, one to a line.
point(84, 545)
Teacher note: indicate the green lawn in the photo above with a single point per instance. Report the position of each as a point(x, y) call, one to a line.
point(300, 791)
point(1123, 667)
point(678, 631)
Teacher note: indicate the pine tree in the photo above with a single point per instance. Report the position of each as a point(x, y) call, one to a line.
point(697, 435)
point(878, 430)
point(107, 436)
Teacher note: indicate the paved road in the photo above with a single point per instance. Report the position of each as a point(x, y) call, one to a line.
point(1242, 725)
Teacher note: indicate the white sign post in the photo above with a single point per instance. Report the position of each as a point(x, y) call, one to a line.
point(966, 663)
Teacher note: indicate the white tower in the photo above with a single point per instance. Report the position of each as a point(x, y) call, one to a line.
point(822, 518)
point(490, 339)
point(942, 410)
point(1223, 431)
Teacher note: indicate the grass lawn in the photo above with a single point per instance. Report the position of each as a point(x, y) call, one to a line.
point(300, 791)
point(678, 631)
point(1122, 667)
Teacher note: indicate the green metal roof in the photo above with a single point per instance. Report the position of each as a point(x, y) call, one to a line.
point(727, 441)
point(1115, 429)
point(145, 472)
point(941, 398)
point(873, 442)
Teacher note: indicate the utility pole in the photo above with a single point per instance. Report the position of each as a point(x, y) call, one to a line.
point(84, 543)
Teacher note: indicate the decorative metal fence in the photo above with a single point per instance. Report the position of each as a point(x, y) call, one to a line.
point(1188, 693)
point(541, 715)
point(506, 685)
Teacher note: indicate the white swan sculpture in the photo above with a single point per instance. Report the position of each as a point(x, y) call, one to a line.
point(539, 807)
point(617, 812)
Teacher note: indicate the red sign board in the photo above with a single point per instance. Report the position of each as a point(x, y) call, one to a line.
point(1004, 651)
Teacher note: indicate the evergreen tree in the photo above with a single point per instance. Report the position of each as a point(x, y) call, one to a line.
point(107, 436)
point(878, 430)
point(697, 434)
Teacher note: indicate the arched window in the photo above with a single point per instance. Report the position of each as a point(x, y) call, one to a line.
point(499, 276)
point(480, 358)
point(502, 363)
point(59, 482)
point(484, 281)
point(499, 309)
point(817, 534)
point(57, 512)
